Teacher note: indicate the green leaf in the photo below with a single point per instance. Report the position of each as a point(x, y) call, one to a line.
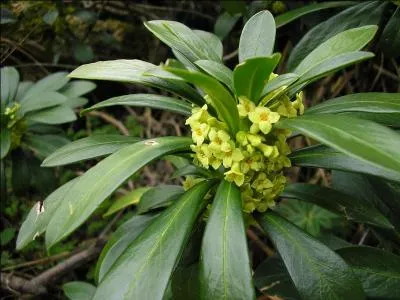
point(378, 107)
point(44, 100)
point(147, 264)
point(212, 42)
point(129, 199)
point(83, 52)
point(346, 41)
point(196, 171)
point(351, 208)
point(6, 236)
point(390, 38)
point(333, 64)
point(365, 13)
point(88, 148)
point(224, 265)
point(224, 24)
point(181, 38)
point(160, 196)
point(218, 71)
point(50, 83)
point(294, 14)
point(76, 102)
point(79, 290)
point(272, 278)
point(77, 88)
point(185, 283)
point(250, 76)
point(5, 136)
point(378, 270)
point(317, 272)
point(22, 89)
point(9, 85)
point(37, 220)
point(367, 141)
point(119, 241)
point(320, 156)
point(103, 179)
point(45, 144)
point(54, 115)
point(258, 36)
point(279, 82)
point(133, 71)
point(220, 98)
point(332, 241)
point(146, 100)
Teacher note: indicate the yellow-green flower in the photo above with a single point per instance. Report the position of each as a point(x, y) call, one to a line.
point(262, 119)
point(262, 182)
point(219, 141)
point(199, 115)
point(199, 132)
point(245, 106)
point(298, 103)
point(286, 108)
point(235, 175)
point(203, 154)
point(231, 157)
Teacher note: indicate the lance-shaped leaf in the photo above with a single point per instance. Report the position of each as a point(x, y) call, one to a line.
point(190, 169)
point(320, 156)
point(294, 14)
point(50, 83)
point(160, 196)
point(378, 270)
point(45, 144)
point(346, 41)
point(119, 241)
point(54, 115)
point(224, 266)
point(77, 88)
point(39, 216)
point(131, 198)
point(134, 71)
point(351, 208)
point(367, 141)
point(147, 264)
point(379, 107)
point(250, 76)
point(258, 36)
point(279, 82)
point(212, 41)
point(146, 100)
point(390, 38)
point(103, 179)
point(182, 39)
point(317, 271)
point(88, 148)
point(218, 71)
point(220, 99)
point(9, 85)
point(44, 100)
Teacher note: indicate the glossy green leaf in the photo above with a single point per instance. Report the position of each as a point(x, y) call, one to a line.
point(258, 36)
point(79, 290)
point(103, 179)
point(224, 24)
point(77, 88)
point(185, 283)
point(146, 100)
point(218, 71)
point(50, 83)
point(224, 265)
point(294, 14)
point(378, 270)
point(133, 71)
point(320, 156)
point(9, 85)
point(44, 100)
point(317, 272)
point(181, 38)
point(160, 196)
point(37, 220)
point(54, 115)
point(390, 38)
point(250, 76)
point(147, 264)
point(129, 199)
point(373, 144)
point(45, 144)
point(378, 107)
point(332, 241)
point(365, 13)
point(279, 82)
point(220, 98)
point(119, 241)
point(212, 42)
point(346, 41)
point(351, 208)
point(5, 136)
point(88, 148)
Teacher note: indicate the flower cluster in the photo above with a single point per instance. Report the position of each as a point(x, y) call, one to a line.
point(255, 157)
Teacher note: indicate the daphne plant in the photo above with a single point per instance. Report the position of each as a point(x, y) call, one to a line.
point(234, 164)
point(29, 112)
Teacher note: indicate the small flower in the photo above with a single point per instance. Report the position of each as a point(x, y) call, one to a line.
point(199, 115)
point(245, 106)
point(219, 141)
point(262, 182)
point(199, 132)
point(203, 154)
point(264, 118)
point(298, 103)
point(286, 108)
point(232, 157)
point(235, 175)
